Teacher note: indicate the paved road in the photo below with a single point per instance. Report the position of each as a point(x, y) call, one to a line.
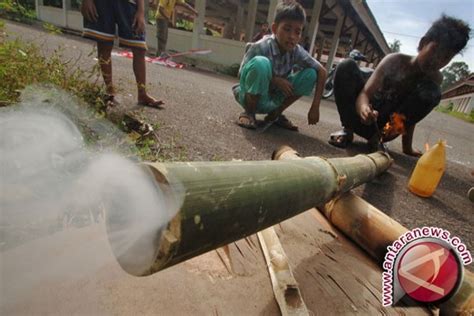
point(200, 118)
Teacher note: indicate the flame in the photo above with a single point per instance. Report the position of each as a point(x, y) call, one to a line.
point(427, 146)
point(396, 124)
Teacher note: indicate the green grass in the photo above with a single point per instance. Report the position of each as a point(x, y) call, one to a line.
point(13, 10)
point(448, 110)
point(23, 65)
point(463, 116)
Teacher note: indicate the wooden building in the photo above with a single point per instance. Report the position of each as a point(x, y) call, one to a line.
point(333, 28)
point(460, 96)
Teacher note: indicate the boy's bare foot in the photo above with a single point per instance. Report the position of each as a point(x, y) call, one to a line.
point(149, 101)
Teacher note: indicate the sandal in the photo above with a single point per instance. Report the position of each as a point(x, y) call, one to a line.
point(247, 120)
point(284, 122)
point(152, 103)
point(341, 139)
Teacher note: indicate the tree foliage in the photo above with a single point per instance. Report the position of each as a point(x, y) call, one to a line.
point(395, 46)
point(455, 72)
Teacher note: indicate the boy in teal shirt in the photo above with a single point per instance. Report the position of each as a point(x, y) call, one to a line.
point(276, 71)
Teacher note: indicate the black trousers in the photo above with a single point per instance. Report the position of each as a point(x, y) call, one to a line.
point(348, 83)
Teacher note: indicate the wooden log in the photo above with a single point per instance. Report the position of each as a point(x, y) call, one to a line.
point(373, 231)
point(219, 202)
point(285, 287)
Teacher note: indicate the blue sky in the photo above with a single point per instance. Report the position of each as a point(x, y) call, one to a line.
point(408, 20)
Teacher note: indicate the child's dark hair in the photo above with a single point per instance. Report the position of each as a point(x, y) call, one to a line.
point(450, 33)
point(289, 10)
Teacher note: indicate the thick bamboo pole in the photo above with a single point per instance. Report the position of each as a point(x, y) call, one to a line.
point(219, 202)
point(373, 231)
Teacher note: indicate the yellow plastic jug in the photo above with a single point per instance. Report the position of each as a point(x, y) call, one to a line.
point(428, 170)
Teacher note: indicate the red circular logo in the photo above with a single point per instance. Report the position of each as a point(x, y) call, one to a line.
point(429, 272)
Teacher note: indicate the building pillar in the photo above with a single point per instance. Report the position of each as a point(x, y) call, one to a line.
point(66, 7)
point(271, 11)
point(366, 47)
point(319, 52)
point(314, 24)
point(371, 59)
point(200, 6)
point(229, 29)
point(354, 38)
point(146, 9)
point(238, 23)
point(38, 3)
point(334, 43)
point(251, 15)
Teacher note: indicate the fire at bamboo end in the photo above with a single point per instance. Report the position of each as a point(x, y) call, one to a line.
point(214, 203)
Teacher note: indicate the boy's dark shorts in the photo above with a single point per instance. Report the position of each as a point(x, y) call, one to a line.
point(111, 13)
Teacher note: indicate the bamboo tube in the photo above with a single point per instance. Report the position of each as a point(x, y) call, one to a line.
point(373, 231)
point(219, 202)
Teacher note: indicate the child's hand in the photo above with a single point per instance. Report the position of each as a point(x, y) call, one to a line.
point(89, 10)
point(284, 85)
point(139, 23)
point(367, 114)
point(313, 116)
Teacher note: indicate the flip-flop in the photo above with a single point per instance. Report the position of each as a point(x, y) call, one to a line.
point(341, 138)
point(157, 104)
point(285, 123)
point(246, 120)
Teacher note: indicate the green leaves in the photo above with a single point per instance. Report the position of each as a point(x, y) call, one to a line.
point(22, 64)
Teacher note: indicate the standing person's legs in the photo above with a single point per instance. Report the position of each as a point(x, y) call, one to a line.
point(139, 69)
point(103, 31)
point(125, 14)
point(104, 50)
point(161, 35)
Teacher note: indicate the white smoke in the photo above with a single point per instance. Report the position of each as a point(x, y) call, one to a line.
point(55, 192)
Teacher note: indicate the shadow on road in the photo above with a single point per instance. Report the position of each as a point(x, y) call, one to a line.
point(381, 199)
point(275, 137)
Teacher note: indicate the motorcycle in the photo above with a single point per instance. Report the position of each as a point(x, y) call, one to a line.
point(329, 85)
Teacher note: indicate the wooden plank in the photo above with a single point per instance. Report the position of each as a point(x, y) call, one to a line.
point(285, 287)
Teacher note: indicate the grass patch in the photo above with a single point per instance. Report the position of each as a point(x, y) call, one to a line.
point(463, 116)
point(23, 65)
point(13, 10)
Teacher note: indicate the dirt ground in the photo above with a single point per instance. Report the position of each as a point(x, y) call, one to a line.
point(199, 121)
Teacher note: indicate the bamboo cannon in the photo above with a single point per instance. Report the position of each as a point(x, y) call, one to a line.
point(373, 231)
point(220, 202)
